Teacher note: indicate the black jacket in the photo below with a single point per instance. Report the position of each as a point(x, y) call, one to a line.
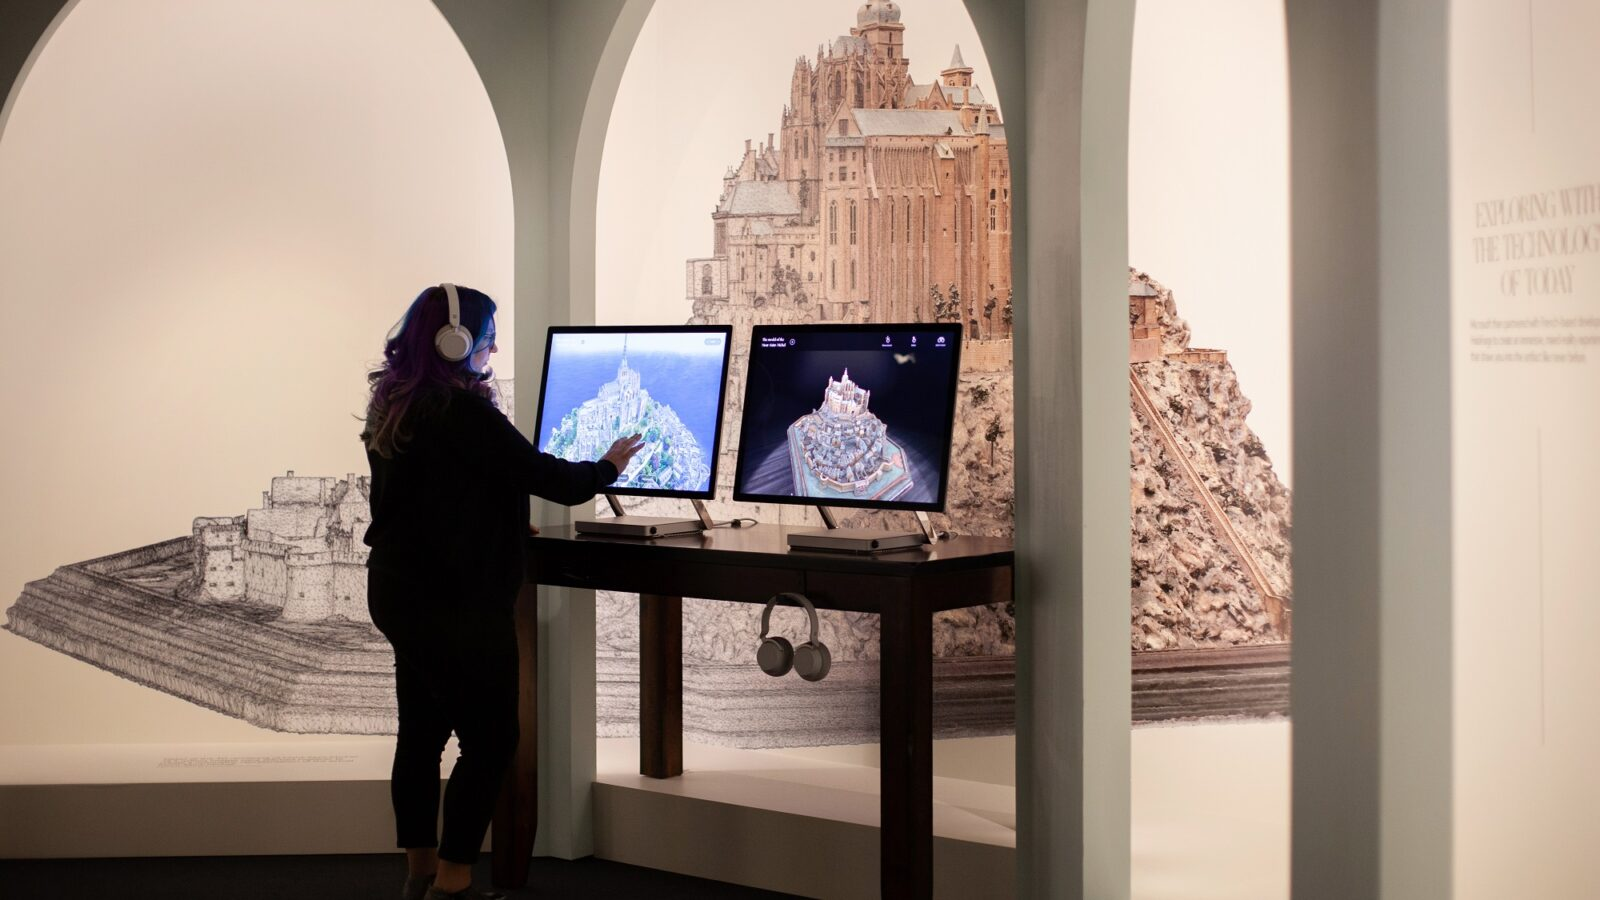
point(450, 510)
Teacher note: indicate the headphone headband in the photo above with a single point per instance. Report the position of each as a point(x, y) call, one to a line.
point(811, 612)
point(455, 304)
point(453, 342)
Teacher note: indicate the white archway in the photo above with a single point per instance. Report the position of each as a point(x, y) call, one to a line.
point(1069, 134)
point(211, 225)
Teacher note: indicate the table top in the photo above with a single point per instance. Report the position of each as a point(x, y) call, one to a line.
point(767, 546)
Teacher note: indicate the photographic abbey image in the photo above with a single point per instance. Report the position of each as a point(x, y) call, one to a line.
point(881, 198)
point(666, 387)
point(876, 187)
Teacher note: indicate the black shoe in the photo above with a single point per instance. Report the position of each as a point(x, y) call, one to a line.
point(416, 887)
point(468, 893)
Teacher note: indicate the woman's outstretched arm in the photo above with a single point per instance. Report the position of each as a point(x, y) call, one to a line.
point(542, 474)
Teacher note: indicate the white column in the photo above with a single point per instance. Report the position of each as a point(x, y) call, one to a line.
point(1062, 71)
point(1369, 210)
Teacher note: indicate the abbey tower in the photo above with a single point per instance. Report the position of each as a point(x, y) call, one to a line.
point(879, 199)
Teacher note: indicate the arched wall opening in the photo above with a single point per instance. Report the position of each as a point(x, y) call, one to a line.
point(212, 217)
point(1208, 245)
point(1072, 757)
point(701, 122)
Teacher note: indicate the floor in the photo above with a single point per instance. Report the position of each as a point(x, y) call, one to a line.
point(1209, 800)
point(816, 787)
point(1209, 803)
point(329, 878)
point(1210, 811)
point(787, 822)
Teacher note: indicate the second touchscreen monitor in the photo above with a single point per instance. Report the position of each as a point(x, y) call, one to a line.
point(664, 383)
point(855, 415)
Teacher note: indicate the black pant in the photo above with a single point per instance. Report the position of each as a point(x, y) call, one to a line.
point(455, 670)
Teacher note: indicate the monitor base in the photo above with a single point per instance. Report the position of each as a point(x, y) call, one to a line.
point(862, 540)
point(855, 540)
point(623, 525)
point(638, 526)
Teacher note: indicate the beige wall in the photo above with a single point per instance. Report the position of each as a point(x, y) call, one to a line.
point(1208, 187)
point(1523, 132)
point(210, 214)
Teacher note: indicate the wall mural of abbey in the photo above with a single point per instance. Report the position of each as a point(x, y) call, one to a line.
point(879, 198)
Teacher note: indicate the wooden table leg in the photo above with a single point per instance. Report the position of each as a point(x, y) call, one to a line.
point(516, 815)
point(905, 715)
point(660, 686)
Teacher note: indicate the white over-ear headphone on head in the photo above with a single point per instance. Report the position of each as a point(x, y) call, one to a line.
point(776, 656)
point(453, 342)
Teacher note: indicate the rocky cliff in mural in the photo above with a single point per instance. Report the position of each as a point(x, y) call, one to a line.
point(1211, 521)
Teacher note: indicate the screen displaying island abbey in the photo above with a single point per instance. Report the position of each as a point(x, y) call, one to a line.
point(665, 383)
point(853, 415)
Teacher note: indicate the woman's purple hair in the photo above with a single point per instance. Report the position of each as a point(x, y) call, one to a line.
point(414, 380)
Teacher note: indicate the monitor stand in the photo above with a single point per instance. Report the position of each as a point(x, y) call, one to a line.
point(623, 525)
point(861, 540)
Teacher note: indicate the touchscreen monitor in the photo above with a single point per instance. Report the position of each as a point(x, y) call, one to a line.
point(849, 415)
point(663, 382)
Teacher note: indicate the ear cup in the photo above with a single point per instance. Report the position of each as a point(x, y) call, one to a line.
point(453, 343)
point(812, 660)
point(775, 656)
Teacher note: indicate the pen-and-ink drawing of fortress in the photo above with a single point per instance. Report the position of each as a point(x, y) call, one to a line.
point(261, 616)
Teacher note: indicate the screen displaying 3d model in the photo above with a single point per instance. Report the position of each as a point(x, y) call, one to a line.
point(664, 383)
point(853, 415)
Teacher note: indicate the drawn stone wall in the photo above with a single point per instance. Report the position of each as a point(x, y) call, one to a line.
point(258, 625)
point(261, 616)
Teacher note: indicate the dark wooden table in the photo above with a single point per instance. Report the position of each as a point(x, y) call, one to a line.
point(748, 565)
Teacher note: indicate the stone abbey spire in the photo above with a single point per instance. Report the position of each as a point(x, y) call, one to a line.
point(880, 199)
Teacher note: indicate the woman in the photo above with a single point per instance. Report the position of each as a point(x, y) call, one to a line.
point(451, 478)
